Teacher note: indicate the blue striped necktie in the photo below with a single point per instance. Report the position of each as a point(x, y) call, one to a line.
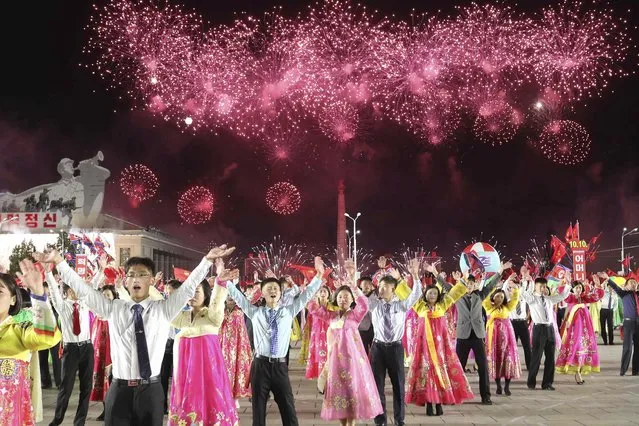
point(273, 330)
point(388, 326)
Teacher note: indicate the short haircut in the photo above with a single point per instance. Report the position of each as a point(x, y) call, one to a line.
point(174, 284)
point(471, 278)
point(141, 261)
point(65, 288)
point(112, 289)
point(206, 289)
point(366, 278)
point(11, 285)
point(389, 280)
point(541, 280)
point(270, 280)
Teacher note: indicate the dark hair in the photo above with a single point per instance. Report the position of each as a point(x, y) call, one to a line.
point(270, 280)
point(206, 289)
point(11, 285)
point(440, 295)
point(65, 288)
point(541, 280)
point(26, 297)
point(578, 283)
point(366, 278)
point(327, 289)
point(112, 289)
point(339, 290)
point(142, 261)
point(389, 280)
point(471, 278)
point(174, 284)
point(492, 296)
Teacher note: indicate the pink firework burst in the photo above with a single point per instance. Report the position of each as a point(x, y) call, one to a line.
point(580, 48)
point(196, 205)
point(564, 142)
point(497, 120)
point(283, 198)
point(139, 183)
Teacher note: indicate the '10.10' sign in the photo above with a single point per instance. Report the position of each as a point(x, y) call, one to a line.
point(579, 249)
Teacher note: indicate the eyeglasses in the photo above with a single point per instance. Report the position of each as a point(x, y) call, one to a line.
point(140, 275)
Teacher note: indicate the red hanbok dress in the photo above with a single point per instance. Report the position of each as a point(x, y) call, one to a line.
point(236, 350)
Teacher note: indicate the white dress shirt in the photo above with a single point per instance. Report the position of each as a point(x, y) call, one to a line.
point(157, 316)
point(541, 309)
point(398, 309)
point(609, 300)
point(289, 295)
point(522, 305)
point(64, 308)
point(284, 315)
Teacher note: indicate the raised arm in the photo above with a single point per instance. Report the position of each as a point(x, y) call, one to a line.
point(241, 300)
point(594, 296)
point(490, 285)
point(486, 303)
point(620, 292)
point(361, 307)
point(456, 292)
point(527, 292)
point(310, 290)
point(216, 306)
point(54, 292)
point(413, 267)
point(320, 312)
point(514, 299)
point(561, 296)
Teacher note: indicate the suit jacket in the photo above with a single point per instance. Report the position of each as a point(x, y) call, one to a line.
point(469, 309)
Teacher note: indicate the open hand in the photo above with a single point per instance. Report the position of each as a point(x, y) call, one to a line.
point(319, 266)
point(217, 252)
point(31, 277)
point(413, 267)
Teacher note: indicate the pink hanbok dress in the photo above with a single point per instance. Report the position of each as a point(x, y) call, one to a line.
point(579, 351)
point(350, 392)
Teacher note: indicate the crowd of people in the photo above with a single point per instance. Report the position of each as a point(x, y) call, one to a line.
point(193, 351)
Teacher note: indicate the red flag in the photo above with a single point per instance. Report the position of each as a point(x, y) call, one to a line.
point(626, 262)
point(307, 271)
point(111, 274)
point(558, 250)
point(611, 273)
point(181, 274)
point(575, 231)
point(570, 234)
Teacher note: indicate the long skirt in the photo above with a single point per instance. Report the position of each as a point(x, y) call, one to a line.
point(15, 400)
point(501, 351)
point(201, 393)
point(444, 383)
point(579, 351)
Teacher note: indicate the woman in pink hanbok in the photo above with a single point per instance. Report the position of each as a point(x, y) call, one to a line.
point(501, 345)
point(317, 340)
point(436, 375)
point(350, 393)
point(579, 351)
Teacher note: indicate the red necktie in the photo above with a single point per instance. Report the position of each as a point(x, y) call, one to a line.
point(76, 320)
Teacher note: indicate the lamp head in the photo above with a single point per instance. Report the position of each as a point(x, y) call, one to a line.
point(358, 214)
point(625, 229)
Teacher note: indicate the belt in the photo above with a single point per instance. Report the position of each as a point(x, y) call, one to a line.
point(518, 319)
point(379, 342)
point(545, 325)
point(270, 359)
point(631, 319)
point(85, 342)
point(135, 382)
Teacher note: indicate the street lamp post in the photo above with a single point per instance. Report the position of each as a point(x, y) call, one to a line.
point(355, 232)
point(624, 234)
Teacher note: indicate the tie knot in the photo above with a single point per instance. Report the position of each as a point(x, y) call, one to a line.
point(137, 308)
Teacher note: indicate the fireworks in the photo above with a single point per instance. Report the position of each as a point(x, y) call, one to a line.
point(565, 142)
point(138, 182)
point(268, 78)
point(277, 257)
point(283, 198)
point(196, 205)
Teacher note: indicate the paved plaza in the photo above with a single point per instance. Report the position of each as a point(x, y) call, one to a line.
point(605, 399)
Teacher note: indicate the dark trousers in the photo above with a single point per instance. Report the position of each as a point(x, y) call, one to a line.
point(134, 406)
point(272, 377)
point(367, 339)
point(605, 322)
point(630, 343)
point(464, 347)
point(249, 330)
point(45, 373)
point(521, 332)
point(75, 360)
point(389, 357)
point(543, 343)
point(167, 370)
point(561, 313)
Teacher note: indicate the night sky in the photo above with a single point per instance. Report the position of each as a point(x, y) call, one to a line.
point(408, 192)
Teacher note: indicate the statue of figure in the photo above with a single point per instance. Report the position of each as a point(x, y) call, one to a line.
point(78, 197)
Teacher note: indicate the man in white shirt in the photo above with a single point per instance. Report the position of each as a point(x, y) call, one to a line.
point(606, 315)
point(139, 329)
point(519, 318)
point(77, 356)
point(543, 338)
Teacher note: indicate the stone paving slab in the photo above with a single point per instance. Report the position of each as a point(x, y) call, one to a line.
point(605, 399)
